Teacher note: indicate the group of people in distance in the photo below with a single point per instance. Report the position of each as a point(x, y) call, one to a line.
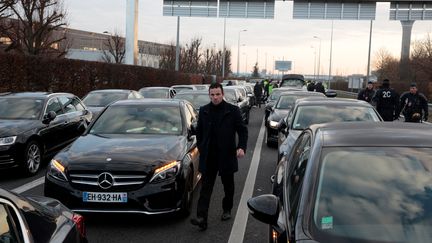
point(412, 104)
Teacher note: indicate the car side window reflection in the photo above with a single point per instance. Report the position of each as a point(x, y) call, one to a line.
point(298, 162)
point(67, 104)
point(8, 225)
point(54, 105)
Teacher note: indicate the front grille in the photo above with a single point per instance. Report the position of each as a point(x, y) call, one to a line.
point(121, 181)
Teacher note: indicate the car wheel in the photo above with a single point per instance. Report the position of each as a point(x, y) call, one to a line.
point(186, 203)
point(32, 158)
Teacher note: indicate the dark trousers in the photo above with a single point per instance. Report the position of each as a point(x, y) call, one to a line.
point(208, 181)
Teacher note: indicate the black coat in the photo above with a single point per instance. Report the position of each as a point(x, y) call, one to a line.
point(230, 124)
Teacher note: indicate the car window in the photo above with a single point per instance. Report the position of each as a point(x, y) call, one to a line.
point(374, 194)
point(102, 99)
point(67, 104)
point(154, 93)
point(54, 105)
point(193, 112)
point(77, 103)
point(189, 117)
point(13, 108)
point(230, 95)
point(298, 161)
point(9, 225)
point(138, 120)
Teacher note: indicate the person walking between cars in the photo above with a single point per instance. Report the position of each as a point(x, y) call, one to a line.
point(319, 87)
point(387, 102)
point(218, 124)
point(367, 94)
point(258, 90)
point(414, 105)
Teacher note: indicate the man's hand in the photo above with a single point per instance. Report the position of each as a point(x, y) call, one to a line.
point(240, 153)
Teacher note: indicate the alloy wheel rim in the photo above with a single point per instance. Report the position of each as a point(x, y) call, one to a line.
point(33, 158)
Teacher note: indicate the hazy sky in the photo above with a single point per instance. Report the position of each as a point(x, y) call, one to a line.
point(279, 38)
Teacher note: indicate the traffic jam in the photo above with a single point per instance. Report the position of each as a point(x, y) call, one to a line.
point(121, 165)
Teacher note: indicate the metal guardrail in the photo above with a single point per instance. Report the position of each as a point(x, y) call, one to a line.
point(353, 95)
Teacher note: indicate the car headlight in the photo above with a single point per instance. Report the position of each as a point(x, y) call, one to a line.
point(274, 124)
point(56, 170)
point(166, 171)
point(8, 140)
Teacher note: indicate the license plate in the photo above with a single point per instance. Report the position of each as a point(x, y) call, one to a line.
point(105, 197)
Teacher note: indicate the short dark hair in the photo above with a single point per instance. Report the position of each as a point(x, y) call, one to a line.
point(215, 86)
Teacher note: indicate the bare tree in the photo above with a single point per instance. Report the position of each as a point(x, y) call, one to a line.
point(34, 31)
point(191, 56)
point(386, 65)
point(114, 51)
point(422, 57)
point(167, 60)
point(5, 5)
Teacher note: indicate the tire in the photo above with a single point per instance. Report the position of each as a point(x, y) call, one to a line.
point(187, 197)
point(32, 158)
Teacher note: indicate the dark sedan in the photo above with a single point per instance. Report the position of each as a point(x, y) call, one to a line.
point(38, 219)
point(139, 156)
point(198, 98)
point(35, 124)
point(281, 109)
point(234, 95)
point(96, 100)
point(310, 111)
point(272, 99)
point(352, 182)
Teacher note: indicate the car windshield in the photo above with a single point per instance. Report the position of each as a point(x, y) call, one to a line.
point(315, 114)
point(230, 95)
point(296, 83)
point(154, 93)
point(374, 194)
point(197, 100)
point(275, 94)
point(103, 99)
point(138, 120)
point(22, 108)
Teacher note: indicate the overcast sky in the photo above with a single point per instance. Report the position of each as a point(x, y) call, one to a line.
point(279, 38)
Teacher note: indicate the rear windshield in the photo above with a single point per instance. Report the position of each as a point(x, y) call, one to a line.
point(103, 99)
point(154, 93)
point(374, 194)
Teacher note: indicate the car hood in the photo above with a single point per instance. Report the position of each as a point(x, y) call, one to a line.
point(15, 127)
point(288, 143)
point(278, 115)
point(122, 152)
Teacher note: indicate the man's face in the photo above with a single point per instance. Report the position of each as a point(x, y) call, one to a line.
point(413, 90)
point(370, 86)
point(216, 96)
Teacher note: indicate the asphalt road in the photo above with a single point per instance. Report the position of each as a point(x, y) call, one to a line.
point(169, 228)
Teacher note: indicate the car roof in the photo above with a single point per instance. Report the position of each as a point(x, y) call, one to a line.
point(111, 91)
point(375, 134)
point(41, 95)
point(155, 87)
point(333, 101)
point(302, 92)
point(193, 92)
point(148, 101)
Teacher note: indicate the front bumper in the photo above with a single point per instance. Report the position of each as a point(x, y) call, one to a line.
point(151, 198)
point(10, 155)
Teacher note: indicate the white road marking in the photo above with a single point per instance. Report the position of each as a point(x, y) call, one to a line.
point(29, 185)
point(240, 221)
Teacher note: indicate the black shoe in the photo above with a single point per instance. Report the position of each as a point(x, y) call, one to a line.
point(226, 215)
point(200, 222)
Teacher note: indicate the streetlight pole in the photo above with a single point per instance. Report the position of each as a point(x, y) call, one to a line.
point(314, 73)
point(331, 48)
point(177, 60)
point(223, 51)
point(238, 52)
point(369, 54)
point(319, 55)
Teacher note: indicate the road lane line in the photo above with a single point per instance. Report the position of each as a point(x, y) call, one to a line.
point(29, 185)
point(240, 221)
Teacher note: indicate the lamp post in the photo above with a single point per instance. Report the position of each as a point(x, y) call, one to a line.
point(223, 50)
point(319, 55)
point(331, 48)
point(314, 73)
point(246, 69)
point(238, 52)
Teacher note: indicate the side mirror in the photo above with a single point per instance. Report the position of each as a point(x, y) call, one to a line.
point(330, 93)
point(265, 208)
point(49, 117)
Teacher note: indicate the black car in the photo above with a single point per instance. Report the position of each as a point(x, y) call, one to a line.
point(293, 81)
point(234, 95)
point(96, 100)
point(35, 124)
point(310, 111)
point(157, 92)
point(281, 109)
point(361, 182)
point(272, 99)
point(38, 219)
point(138, 156)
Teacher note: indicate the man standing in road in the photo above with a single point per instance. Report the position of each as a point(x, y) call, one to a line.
point(414, 105)
point(367, 94)
point(218, 124)
point(387, 102)
point(258, 90)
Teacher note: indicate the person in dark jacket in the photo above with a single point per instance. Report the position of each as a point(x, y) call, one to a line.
point(367, 94)
point(310, 86)
point(218, 124)
point(387, 102)
point(258, 91)
point(319, 87)
point(414, 105)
